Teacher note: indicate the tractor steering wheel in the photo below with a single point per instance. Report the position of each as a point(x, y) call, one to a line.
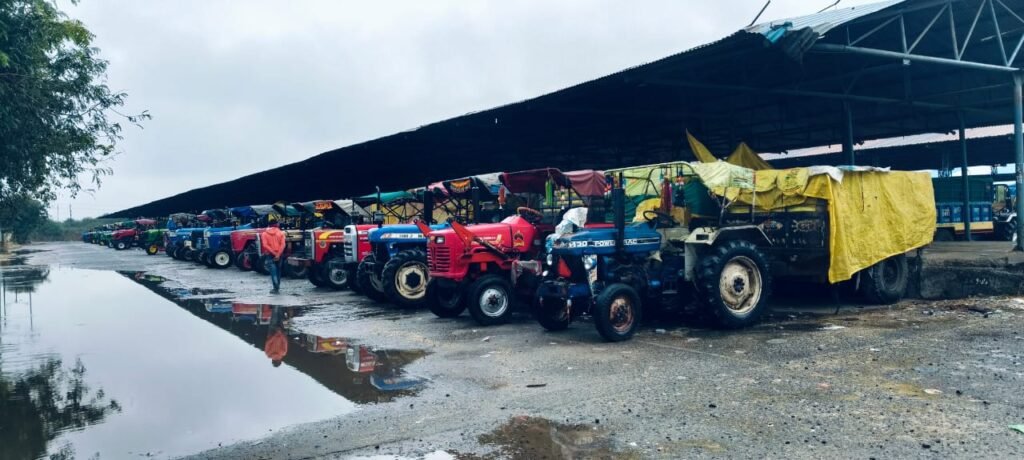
point(531, 215)
point(658, 218)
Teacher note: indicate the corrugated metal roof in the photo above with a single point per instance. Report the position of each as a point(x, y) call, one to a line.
point(736, 88)
point(824, 21)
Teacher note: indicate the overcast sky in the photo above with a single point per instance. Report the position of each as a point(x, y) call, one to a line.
point(239, 87)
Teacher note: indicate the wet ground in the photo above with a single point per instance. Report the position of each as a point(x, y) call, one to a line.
point(120, 355)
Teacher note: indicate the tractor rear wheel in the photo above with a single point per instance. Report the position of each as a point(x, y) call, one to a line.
point(734, 283)
point(491, 300)
point(152, 249)
point(353, 284)
point(334, 273)
point(294, 271)
point(552, 313)
point(314, 276)
point(405, 277)
point(617, 312)
point(369, 280)
point(261, 264)
point(220, 259)
point(1008, 232)
point(885, 282)
point(447, 302)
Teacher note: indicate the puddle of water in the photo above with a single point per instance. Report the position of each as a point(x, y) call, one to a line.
point(526, 437)
point(93, 363)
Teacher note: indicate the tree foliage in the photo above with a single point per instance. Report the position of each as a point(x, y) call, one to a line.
point(22, 216)
point(59, 121)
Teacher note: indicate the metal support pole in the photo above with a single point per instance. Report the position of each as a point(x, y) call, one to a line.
point(965, 179)
point(1018, 144)
point(848, 135)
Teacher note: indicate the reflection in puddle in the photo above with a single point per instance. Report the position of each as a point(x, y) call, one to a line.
point(38, 404)
point(538, 438)
point(159, 382)
point(357, 372)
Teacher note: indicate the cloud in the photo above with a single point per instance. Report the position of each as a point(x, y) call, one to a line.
point(237, 88)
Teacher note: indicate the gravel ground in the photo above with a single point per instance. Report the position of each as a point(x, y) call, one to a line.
point(818, 379)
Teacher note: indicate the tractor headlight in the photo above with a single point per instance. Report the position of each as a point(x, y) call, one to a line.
point(589, 262)
point(550, 260)
point(438, 240)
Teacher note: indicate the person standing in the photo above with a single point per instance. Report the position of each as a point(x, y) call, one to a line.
point(272, 242)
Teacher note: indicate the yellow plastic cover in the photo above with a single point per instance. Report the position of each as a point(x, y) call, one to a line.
point(873, 215)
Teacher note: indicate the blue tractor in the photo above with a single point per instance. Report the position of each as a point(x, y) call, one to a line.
point(213, 248)
point(611, 272)
point(397, 269)
point(179, 233)
point(222, 223)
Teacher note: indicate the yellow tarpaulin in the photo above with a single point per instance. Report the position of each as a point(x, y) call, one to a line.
point(873, 215)
point(699, 150)
point(747, 157)
point(742, 156)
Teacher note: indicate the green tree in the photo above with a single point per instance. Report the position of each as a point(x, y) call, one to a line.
point(59, 121)
point(21, 216)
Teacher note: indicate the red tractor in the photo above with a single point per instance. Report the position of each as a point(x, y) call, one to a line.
point(129, 236)
point(487, 268)
point(243, 242)
point(322, 247)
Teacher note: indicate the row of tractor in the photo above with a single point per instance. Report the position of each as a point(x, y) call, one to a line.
point(706, 238)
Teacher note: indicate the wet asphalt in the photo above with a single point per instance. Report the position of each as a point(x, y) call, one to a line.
point(820, 378)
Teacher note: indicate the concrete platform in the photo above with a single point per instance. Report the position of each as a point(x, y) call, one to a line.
point(955, 270)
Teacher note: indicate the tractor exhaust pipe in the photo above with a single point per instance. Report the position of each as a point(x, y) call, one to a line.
point(619, 209)
point(475, 198)
point(428, 206)
point(378, 215)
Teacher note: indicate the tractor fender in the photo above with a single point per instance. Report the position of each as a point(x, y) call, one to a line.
point(705, 237)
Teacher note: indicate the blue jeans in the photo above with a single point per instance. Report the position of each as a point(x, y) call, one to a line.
point(275, 272)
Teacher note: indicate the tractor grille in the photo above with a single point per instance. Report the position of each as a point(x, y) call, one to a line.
point(307, 243)
point(439, 259)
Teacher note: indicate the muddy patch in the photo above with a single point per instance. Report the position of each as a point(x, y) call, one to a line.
point(525, 437)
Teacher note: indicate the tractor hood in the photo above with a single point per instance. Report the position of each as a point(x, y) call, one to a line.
point(407, 232)
point(226, 230)
point(513, 233)
point(639, 238)
point(123, 233)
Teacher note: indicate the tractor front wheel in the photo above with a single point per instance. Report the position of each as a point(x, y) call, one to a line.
point(369, 280)
point(405, 279)
point(734, 283)
point(617, 312)
point(448, 301)
point(121, 245)
point(152, 249)
point(334, 273)
point(220, 259)
point(552, 313)
point(490, 300)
